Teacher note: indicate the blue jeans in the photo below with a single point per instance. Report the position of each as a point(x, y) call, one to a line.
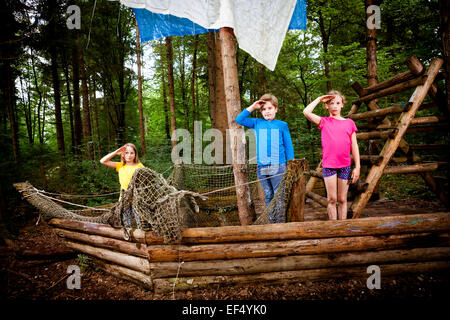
point(269, 183)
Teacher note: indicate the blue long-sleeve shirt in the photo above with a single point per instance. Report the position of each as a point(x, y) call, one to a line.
point(273, 139)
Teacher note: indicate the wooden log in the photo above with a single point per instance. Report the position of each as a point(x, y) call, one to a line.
point(317, 198)
point(391, 145)
point(390, 126)
point(376, 135)
point(377, 113)
point(391, 90)
point(126, 260)
point(314, 173)
point(353, 109)
point(120, 272)
point(414, 168)
point(435, 127)
point(97, 229)
point(291, 263)
point(429, 222)
point(428, 120)
point(358, 186)
point(312, 180)
point(373, 159)
point(435, 186)
point(429, 146)
point(376, 160)
point(259, 249)
point(399, 78)
point(435, 93)
point(164, 285)
point(135, 249)
point(46, 254)
point(414, 65)
point(358, 88)
point(297, 199)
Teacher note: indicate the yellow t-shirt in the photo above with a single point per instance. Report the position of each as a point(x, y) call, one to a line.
point(126, 172)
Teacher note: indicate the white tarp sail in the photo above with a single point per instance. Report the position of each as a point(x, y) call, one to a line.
point(260, 26)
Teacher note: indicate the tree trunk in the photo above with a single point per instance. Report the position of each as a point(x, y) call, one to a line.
point(170, 79)
point(78, 124)
point(193, 78)
point(57, 100)
point(233, 104)
point(70, 106)
point(95, 105)
point(11, 100)
point(325, 40)
point(211, 47)
point(141, 111)
point(183, 84)
point(87, 130)
point(164, 95)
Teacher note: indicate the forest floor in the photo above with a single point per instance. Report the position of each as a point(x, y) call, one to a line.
point(27, 276)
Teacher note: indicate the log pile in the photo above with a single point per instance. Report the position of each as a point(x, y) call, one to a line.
point(275, 253)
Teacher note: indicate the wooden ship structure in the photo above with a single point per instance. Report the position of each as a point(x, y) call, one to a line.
point(298, 250)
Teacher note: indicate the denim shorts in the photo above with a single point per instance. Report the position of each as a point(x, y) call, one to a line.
point(342, 173)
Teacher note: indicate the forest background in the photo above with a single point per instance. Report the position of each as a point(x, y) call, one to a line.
point(70, 96)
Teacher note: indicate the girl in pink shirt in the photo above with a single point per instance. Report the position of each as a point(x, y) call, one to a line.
point(338, 140)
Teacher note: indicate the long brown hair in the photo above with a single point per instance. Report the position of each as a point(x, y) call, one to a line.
point(136, 157)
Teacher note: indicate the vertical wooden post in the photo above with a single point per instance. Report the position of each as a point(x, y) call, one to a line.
point(298, 194)
point(233, 105)
point(391, 145)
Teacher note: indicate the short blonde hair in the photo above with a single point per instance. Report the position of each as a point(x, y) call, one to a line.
point(337, 93)
point(136, 157)
point(271, 98)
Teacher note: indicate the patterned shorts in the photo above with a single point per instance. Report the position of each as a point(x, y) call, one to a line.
point(342, 173)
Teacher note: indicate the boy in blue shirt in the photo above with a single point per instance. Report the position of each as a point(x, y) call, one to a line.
point(273, 143)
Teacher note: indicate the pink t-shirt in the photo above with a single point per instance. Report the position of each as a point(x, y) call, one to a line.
point(336, 141)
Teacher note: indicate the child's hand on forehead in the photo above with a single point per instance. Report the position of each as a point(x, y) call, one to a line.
point(122, 149)
point(327, 98)
point(258, 104)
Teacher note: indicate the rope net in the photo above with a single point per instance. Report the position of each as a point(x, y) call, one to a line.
point(192, 196)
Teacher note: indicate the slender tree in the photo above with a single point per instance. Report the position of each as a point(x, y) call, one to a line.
point(141, 111)
point(169, 53)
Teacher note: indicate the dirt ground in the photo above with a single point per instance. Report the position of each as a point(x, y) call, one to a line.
point(27, 276)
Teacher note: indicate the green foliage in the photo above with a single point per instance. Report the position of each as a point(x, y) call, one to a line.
point(335, 38)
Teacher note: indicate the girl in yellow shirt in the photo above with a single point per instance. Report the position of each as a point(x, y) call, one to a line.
point(126, 167)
